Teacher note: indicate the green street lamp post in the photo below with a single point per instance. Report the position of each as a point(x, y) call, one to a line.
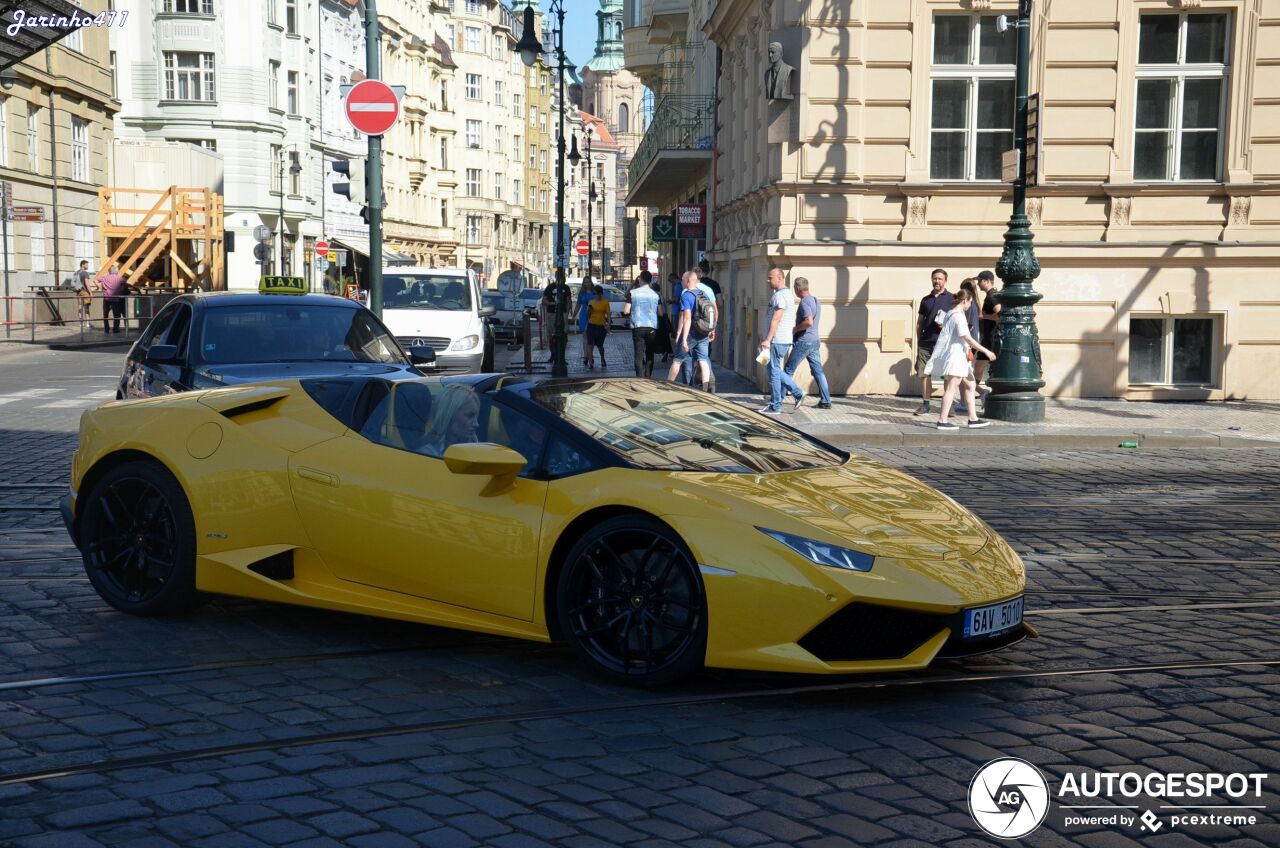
point(529, 49)
point(1016, 378)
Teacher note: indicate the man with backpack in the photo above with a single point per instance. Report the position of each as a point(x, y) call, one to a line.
point(777, 340)
point(697, 323)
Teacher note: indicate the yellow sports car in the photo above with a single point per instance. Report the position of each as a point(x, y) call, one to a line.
point(655, 528)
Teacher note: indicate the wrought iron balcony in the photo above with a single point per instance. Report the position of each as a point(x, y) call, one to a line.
point(675, 149)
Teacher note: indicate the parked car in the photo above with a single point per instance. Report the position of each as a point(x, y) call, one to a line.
point(507, 320)
point(213, 339)
point(440, 308)
point(617, 300)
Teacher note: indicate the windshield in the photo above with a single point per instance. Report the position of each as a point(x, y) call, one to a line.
point(281, 332)
point(449, 292)
point(670, 427)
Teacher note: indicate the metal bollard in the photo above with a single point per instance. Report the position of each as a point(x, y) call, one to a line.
point(528, 348)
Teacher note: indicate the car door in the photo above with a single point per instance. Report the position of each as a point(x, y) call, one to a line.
point(139, 379)
point(382, 509)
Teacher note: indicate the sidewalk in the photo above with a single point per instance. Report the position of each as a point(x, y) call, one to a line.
point(885, 420)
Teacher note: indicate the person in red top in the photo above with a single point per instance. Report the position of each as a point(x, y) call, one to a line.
point(113, 288)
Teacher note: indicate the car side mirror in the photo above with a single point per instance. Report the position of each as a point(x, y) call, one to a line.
point(483, 459)
point(488, 310)
point(164, 354)
point(422, 355)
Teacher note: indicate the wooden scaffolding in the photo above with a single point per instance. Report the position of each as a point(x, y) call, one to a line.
point(163, 238)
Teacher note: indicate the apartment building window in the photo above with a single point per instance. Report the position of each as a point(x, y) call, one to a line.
point(533, 197)
point(273, 85)
point(472, 42)
point(533, 115)
point(188, 7)
point(473, 182)
point(33, 138)
point(291, 16)
point(475, 7)
point(517, 103)
point(473, 87)
point(111, 58)
point(542, 122)
point(544, 201)
point(84, 244)
point(444, 96)
point(542, 84)
point(295, 173)
point(4, 132)
point(515, 190)
point(499, 180)
point(444, 213)
point(188, 76)
point(542, 161)
point(1182, 72)
point(37, 247)
point(517, 145)
point(74, 40)
point(624, 118)
point(533, 156)
point(444, 154)
point(272, 17)
point(1171, 350)
point(295, 101)
point(206, 143)
point(277, 157)
point(473, 229)
point(973, 97)
point(473, 133)
point(497, 93)
point(79, 150)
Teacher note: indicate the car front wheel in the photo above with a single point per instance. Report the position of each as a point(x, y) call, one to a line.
point(138, 539)
point(631, 602)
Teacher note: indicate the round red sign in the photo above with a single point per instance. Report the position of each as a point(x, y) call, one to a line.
point(583, 247)
point(322, 246)
point(372, 107)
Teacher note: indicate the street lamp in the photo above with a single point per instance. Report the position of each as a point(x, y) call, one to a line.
point(529, 49)
point(1015, 375)
point(294, 169)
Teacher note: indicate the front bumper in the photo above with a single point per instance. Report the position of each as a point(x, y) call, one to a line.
point(68, 517)
point(455, 363)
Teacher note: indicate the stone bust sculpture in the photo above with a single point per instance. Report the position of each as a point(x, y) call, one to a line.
point(777, 77)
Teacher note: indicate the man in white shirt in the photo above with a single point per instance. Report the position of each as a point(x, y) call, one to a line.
point(780, 322)
point(642, 308)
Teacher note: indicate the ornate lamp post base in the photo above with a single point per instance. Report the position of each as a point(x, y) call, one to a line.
point(1015, 375)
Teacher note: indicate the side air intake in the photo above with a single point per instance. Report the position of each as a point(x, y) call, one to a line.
point(276, 567)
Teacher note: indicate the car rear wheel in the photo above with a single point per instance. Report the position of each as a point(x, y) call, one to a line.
point(631, 602)
point(138, 540)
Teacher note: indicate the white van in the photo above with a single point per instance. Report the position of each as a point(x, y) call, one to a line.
point(442, 309)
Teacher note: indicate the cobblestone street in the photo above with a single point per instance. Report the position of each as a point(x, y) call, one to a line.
point(1153, 579)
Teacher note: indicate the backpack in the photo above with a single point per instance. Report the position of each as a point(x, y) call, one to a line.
point(704, 315)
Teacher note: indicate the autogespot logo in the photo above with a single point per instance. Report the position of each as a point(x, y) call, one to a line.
point(1009, 798)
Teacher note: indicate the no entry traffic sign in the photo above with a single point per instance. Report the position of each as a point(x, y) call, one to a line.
point(322, 247)
point(582, 246)
point(372, 107)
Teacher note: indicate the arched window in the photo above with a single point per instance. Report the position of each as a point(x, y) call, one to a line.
point(617, 30)
point(624, 118)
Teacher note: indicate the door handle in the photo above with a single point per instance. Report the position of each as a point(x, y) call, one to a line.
point(318, 476)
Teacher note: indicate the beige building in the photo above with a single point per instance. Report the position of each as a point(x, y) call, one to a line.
point(536, 147)
point(418, 178)
point(55, 141)
point(1156, 204)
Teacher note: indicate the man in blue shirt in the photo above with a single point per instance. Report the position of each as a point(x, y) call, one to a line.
point(692, 346)
point(933, 309)
point(642, 308)
point(806, 345)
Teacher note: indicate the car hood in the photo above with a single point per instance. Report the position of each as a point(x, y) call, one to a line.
point(257, 372)
point(431, 323)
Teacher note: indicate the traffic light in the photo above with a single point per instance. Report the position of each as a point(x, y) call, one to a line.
point(353, 170)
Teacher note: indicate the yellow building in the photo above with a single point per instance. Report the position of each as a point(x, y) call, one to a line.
point(1156, 204)
point(537, 150)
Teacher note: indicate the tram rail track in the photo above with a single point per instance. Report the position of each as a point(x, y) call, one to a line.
point(882, 683)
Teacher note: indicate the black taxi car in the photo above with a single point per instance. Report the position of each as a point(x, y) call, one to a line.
point(207, 340)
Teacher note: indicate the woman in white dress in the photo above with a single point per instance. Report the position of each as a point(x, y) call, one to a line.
point(950, 361)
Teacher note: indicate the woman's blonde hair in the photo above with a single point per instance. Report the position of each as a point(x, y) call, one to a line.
point(444, 406)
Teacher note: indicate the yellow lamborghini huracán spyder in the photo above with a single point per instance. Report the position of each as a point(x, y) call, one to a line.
point(655, 528)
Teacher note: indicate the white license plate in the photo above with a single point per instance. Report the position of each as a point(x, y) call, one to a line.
point(996, 618)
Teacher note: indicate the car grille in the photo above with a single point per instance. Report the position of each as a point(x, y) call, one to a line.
point(439, 344)
point(868, 632)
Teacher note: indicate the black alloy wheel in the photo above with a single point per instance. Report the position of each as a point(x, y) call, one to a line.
point(631, 602)
point(138, 541)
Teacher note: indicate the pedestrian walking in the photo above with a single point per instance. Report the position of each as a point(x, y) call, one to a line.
point(83, 283)
point(952, 361)
point(989, 319)
point(697, 320)
point(780, 322)
point(711, 294)
point(114, 288)
point(585, 295)
point(806, 346)
point(933, 310)
point(662, 338)
point(642, 307)
point(597, 326)
point(971, 315)
point(704, 277)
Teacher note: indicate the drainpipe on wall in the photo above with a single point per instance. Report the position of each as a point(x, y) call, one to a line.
point(53, 170)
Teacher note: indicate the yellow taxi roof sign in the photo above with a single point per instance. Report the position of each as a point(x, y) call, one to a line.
point(282, 285)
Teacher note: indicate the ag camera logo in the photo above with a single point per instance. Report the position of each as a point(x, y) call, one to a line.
point(1009, 798)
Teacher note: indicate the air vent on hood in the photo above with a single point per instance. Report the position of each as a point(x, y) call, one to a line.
point(241, 401)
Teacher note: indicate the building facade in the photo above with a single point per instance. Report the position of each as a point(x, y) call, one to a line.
point(593, 185)
point(56, 135)
point(1155, 203)
point(538, 150)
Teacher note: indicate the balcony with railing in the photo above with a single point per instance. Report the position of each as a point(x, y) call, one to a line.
point(675, 150)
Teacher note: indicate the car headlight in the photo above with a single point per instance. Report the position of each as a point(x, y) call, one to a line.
point(465, 343)
point(822, 553)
